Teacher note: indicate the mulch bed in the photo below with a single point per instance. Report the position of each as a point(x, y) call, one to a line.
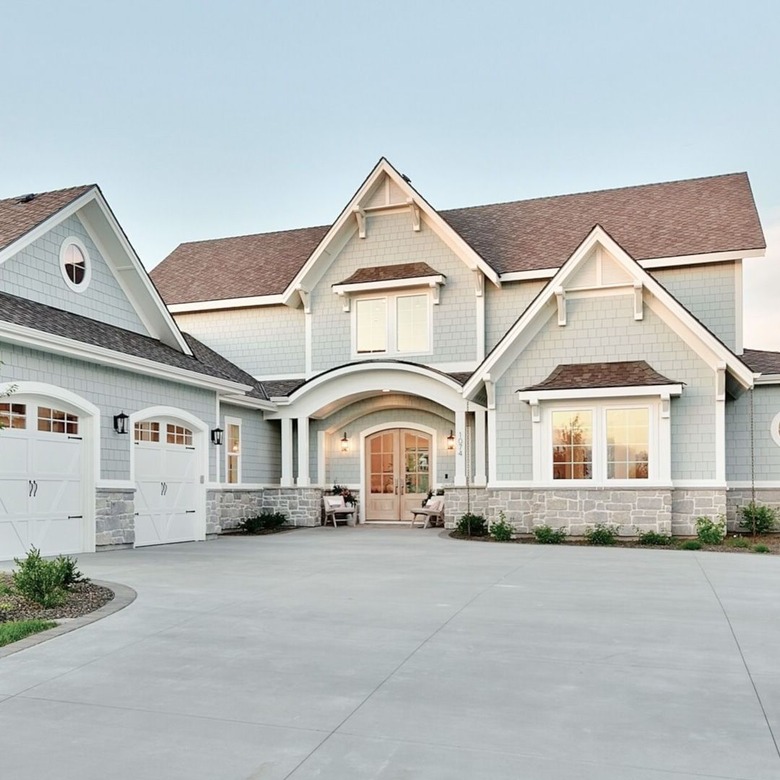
point(772, 541)
point(83, 598)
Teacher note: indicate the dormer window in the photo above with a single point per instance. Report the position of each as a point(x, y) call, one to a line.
point(75, 265)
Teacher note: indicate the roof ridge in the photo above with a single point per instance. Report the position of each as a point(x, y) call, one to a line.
point(594, 192)
point(254, 235)
point(37, 195)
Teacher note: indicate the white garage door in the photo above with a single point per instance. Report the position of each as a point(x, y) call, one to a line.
point(167, 479)
point(41, 472)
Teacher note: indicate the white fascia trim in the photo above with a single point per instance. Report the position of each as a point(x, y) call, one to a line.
point(767, 379)
point(651, 262)
point(28, 337)
point(703, 259)
point(390, 284)
point(116, 484)
point(599, 392)
point(227, 303)
point(599, 236)
point(525, 276)
point(248, 402)
point(447, 233)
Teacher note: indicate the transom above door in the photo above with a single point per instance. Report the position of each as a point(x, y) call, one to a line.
point(398, 463)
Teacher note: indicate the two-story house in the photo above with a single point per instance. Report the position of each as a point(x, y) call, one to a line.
point(568, 360)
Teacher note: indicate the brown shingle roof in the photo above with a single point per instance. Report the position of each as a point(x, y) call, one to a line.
point(691, 217)
point(239, 267)
point(31, 314)
point(762, 361)
point(18, 217)
point(390, 273)
point(627, 373)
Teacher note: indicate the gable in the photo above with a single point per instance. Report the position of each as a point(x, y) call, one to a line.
point(599, 255)
point(35, 273)
point(26, 220)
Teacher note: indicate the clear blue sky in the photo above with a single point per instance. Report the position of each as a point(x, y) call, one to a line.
point(206, 119)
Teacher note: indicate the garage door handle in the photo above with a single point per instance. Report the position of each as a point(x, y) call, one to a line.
point(190, 511)
point(35, 487)
point(75, 517)
point(79, 438)
point(29, 488)
point(163, 488)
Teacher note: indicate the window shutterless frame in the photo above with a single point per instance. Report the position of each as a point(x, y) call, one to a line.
point(233, 447)
point(368, 311)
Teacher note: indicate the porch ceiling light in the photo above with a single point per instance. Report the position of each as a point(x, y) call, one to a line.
point(120, 422)
point(451, 441)
point(216, 436)
point(345, 442)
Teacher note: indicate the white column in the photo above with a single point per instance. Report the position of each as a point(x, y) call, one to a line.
point(460, 449)
point(303, 452)
point(480, 475)
point(287, 452)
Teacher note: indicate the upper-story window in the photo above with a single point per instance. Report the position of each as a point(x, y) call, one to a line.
point(393, 324)
point(75, 264)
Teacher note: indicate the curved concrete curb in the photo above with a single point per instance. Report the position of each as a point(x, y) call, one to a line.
point(123, 596)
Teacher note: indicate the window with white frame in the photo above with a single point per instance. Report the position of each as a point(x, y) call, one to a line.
point(393, 324)
point(75, 264)
point(233, 450)
point(603, 442)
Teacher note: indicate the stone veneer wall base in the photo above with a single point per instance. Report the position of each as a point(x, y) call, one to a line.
point(114, 518)
point(736, 498)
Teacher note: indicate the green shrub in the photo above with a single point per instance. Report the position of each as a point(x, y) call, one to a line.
point(654, 539)
point(545, 534)
point(709, 531)
point(501, 530)
point(472, 525)
point(761, 548)
point(39, 580)
point(738, 542)
point(757, 519)
point(69, 574)
point(602, 535)
point(690, 544)
point(265, 521)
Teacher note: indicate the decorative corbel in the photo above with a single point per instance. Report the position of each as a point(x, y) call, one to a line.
point(360, 216)
point(305, 297)
point(415, 212)
point(560, 297)
point(666, 403)
point(490, 389)
point(479, 283)
point(435, 291)
point(536, 410)
point(720, 382)
point(345, 301)
point(639, 311)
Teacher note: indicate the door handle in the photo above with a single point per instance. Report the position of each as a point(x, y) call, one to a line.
point(29, 488)
point(35, 488)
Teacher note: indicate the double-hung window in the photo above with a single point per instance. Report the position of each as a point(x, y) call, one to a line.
point(393, 324)
point(233, 450)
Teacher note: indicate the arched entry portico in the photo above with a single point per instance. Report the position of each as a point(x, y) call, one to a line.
point(351, 396)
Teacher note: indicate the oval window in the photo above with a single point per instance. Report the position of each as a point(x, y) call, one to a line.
point(74, 264)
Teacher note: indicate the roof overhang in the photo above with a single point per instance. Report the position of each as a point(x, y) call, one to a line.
point(629, 391)
point(59, 345)
point(227, 303)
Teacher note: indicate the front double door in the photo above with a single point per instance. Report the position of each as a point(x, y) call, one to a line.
point(398, 463)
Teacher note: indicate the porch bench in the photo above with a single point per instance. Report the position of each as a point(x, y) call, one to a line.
point(432, 513)
point(336, 510)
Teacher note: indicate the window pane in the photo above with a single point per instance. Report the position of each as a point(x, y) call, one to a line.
point(628, 443)
point(572, 434)
point(13, 415)
point(412, 323)
point(233, 452)
point(57, 421)
point(371, 326)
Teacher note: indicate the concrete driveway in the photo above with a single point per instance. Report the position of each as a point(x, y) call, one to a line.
point(395, 653)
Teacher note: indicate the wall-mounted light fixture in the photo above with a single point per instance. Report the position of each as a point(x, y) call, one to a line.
point(120, 422)
point(345, 442)
point(451, 441)
point(216, 436)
